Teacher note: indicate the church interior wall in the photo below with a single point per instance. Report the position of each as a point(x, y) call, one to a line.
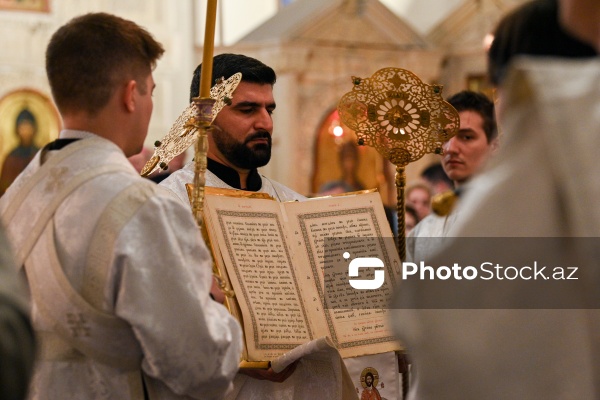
point(459, 68)
point(312, 76)
point(320, 76)
point(25, 35)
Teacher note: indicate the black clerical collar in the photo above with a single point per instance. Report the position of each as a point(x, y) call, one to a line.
point(59, 143)
point(55, 145)
point(231, 177)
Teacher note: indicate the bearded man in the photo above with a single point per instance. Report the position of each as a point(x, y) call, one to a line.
point(241, 140)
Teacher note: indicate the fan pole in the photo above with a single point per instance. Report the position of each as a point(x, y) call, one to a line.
point(401, 237)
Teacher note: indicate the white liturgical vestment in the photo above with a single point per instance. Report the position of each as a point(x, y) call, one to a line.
point(544, 183)
point(151, 290)
point(177, 180)
point(421, 241)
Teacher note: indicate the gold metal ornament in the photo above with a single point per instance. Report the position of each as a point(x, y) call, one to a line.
point(443, 203)
point(184, 131)
point(402, 118)
point(202, 124)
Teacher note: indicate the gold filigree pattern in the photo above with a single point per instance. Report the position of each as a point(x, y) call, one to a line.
point(184, 131)
point(399, 115)
point(403, 118)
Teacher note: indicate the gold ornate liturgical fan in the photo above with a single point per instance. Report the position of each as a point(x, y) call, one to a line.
point(184, 131)
point(403, 118)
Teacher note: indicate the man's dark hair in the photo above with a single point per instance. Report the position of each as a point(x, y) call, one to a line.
point(468, 100)
point(226, 65)
point(435, 173)
point(91, 55)
point(532, 29)
point(411, 210)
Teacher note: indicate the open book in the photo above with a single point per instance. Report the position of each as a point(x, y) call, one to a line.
point(290, 278)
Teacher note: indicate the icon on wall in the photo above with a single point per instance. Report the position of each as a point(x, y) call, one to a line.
point(25, 5)
point(28, 120)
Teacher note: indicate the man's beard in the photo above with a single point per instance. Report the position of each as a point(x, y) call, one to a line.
point(240, 154)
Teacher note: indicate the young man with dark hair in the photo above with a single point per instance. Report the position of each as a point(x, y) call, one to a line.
point(466, 153)
point(100, 245)
point(464, 156)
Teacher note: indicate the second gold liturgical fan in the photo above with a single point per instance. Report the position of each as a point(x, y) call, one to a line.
point(402, 118)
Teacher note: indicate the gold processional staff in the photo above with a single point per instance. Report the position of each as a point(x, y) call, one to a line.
point(403, 119)
point(193, 125)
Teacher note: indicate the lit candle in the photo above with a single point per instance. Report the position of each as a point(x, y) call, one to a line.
point(209, 46)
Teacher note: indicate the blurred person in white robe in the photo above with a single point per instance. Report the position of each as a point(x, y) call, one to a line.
point(17, 341)
point(465, 155)
point(517, 339)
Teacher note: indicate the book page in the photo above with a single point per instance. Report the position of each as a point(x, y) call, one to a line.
point(230, 300)
point(356, 320)
point(254, 251)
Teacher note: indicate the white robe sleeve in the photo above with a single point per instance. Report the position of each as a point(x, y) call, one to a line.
point(163, 277)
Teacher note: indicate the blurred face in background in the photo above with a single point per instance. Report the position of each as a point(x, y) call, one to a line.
point(419, 198)
point(581, 18)
point(409, 222)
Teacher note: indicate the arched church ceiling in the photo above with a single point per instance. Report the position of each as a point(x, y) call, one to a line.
point(344, 23)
